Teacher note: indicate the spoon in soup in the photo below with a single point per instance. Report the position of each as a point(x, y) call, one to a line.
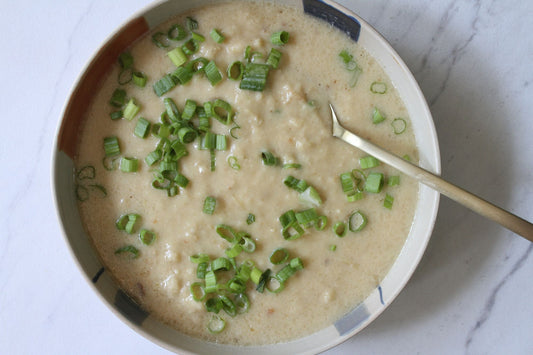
point(484, 208)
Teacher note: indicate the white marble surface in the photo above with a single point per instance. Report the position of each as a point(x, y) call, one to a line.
point(471, 293)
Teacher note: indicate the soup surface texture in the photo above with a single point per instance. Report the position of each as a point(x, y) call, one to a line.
point(289, 118)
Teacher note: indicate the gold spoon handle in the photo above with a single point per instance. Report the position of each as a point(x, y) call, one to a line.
point(484, 208)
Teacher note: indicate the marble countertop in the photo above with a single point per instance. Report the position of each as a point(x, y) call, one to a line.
point(471, 293)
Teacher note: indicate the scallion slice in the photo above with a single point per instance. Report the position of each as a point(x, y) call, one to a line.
point(209, 205)
point(273, 58)
point(234, 163)
point(197, 37)
point(340, 229)
point(310, 197)
point(176, 33)
point(374, 182)
point(125, 59)
point(368, 162)
point(279, 38)
point(134, 252)
point(226, 232)
point(210, 282)
point(189, 110)
point(398, 125)
point(139, 79)
point(216, 35)
point(142, 128)
point(250, 219)
point(212, 73)
point(222, 111)
point(357, 221)
point(378, 87)
point(118, 98)
point(157, 40)
point(130, 110)
point(187, 135)
point(111, 146)
point(153, 157)
point(191, 23)
point(171, 109)
point(377, 116)
point(190, 47)
point(291, 166)
point(177, 56)
point(393, 180)
point(146, 236)
point(221, 264)
point(199, 258)
point(263, 280)
point(234, 250)
point(279, 256)
point(254, 77)
point(268, 158)
point(116, 115)
point(164, 85)
point(389, 200)
point(129, 165)
point(197, 291)
point(235, 71)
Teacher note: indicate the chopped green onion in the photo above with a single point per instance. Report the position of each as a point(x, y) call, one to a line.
point(274, 285)
point(86, 172)
point(213, 159)
point(212, 73)
point(209, 141)
point(347, 184)
point(190, 47)
point(351, 66)
point(142, 128)
point(118, 98)
point(125, 60)
point(199, 258)
point(177, 56)
point(345, 56)
point(234, 251)
point(222, 111)
point(236, 285)
point(202, 269)
point(248, 244)
point(155, 39)
point(171, 109)
point(129, 165)
point(378, 87)
point(209, 205)
point(250, 219)
point(228, 306)
point(130, 224)
point(187, 134)
point(216, 36)
point(220, 264)
point(139, 79)
point(189, 109)
point(164, 85)
point(176, 33)
point(181, 180)
point(130, 110)
point(220, 142)
point(357, 221)
point(310, 197)
point(296, 264)
point(269, 159)
point(242, 303)
point(153, 157)
point(192, 24)
point(263, 280)
point(226, 232)
point(377, 116)
point(235, 71)
point(307, 217)
point(210, 281)
point(233, 162)
point(389, 200)
point(273, 58)
point(254, 77)
point(332, 247)
point(374, 182)
point(406, 157)
point(393, 180)
point(285, 273)
point(279, 38)
point(147, 237)
point(291, 166)
point(125, 76)
point(398, 125)
point(368, 162)
point(197, 291)
point(197, 37)
point(340, 229)
point(134, 252)
point(355, 197)
point(279, 256)
point(255, 275)
point(116, 115)
point(111, 146)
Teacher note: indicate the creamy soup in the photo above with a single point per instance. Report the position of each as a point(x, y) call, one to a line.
point(289, 119)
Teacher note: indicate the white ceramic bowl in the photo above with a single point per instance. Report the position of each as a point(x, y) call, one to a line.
point(130, 313)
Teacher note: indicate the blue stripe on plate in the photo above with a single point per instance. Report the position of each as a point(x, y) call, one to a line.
point(129, 309)
point(352, 320)
point(345, 23)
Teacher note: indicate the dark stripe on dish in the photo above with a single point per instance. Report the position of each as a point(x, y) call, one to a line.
point(129, 309)
point(97, 276)
point(352, 320)
point(345, 23)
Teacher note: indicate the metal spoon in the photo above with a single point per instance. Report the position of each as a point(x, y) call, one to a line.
point(486, 209)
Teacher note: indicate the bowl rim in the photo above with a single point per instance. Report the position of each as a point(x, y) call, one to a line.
point(433, 163)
